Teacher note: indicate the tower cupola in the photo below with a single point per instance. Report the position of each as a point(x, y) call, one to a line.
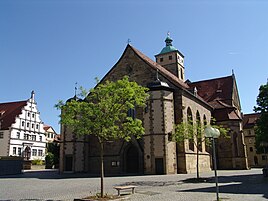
point(171, 58)
point(169, 47)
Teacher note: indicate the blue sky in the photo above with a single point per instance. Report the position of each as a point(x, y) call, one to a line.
point(49, 45)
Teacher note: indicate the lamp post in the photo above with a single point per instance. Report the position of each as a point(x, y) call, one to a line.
point(213, 133)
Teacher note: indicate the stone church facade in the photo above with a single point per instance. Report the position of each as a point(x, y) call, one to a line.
point(172, 100)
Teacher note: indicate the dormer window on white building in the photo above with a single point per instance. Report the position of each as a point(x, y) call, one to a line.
point(33, 115)
point(28, 124)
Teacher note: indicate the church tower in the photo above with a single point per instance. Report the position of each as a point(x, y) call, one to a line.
point(171, 59)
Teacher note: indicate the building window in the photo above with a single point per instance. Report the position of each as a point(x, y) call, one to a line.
point(34, 152)
point(161, 59)
point(26, 136)
point(33, 115)
point(28, 124)
point(33, 137)
point(32, 125)
point(40, 138)
point(37, 126)
point(1, 135)
point(28, 114)
point(22, 123)
point(170, 57)
point(14, 150)
point(249, 132)
point(40, 152)
point(18, 135)
point(251, 149)
point(19, 151)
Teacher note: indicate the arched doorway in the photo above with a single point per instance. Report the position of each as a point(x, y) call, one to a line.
point(132, 160)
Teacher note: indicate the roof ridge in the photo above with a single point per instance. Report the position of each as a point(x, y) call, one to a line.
point(13, 102)
point(212, 79)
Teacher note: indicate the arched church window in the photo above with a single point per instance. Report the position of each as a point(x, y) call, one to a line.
point(199, 131)
point(190, 120)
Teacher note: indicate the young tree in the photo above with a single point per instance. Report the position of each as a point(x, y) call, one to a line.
point(262, 123)
point(103, 113)
point(194, 132)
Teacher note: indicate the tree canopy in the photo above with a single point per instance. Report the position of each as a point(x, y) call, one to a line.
point(261, 129)
point(103, 113)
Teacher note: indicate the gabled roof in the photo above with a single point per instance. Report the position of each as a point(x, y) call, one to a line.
point(249, 120)
point(8, 113)
point(215, 91)
point(46, 127)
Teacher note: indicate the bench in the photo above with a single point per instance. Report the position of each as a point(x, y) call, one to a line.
point(119, 188)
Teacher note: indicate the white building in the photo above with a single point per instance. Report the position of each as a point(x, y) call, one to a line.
point(21, 130)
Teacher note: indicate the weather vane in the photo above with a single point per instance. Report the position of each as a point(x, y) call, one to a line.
point(168, 33)
point(128, 41)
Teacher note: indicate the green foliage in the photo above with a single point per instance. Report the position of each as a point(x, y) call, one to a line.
point(192, 131)
point(37, 162)
point(54, 148)
point(261, 129)
point(103, 112)
point(49, 160)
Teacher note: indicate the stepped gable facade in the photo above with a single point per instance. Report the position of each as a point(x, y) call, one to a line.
point(172, 100)
point(21, 130)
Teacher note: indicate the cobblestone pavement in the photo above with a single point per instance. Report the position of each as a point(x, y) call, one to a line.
point(246, 185)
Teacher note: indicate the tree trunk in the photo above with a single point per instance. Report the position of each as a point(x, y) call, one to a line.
point(102, 169)
point(197, 163)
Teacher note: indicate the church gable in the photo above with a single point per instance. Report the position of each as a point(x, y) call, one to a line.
point(141, 69)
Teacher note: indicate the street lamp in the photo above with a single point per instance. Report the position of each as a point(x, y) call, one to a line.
point(213, 133)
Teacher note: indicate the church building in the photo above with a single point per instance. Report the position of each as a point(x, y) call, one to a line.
point(173, 99)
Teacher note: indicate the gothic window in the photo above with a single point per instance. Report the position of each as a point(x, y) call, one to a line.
point(198, 130)
point(235, 144)
point(190, 120)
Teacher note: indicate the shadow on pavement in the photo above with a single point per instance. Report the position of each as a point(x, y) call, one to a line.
point(241, 184)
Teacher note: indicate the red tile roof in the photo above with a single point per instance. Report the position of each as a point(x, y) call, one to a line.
point(8, 113)
point(249, 120)
point(217, 92)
